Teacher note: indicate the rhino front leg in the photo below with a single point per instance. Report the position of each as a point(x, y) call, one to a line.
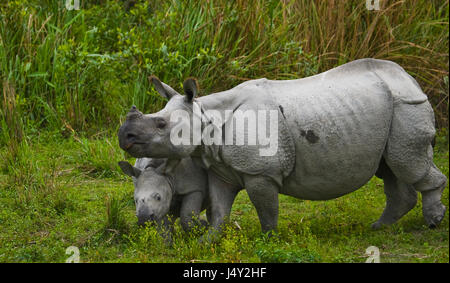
point(263, 193)
point(190, 211)
point(221, 196)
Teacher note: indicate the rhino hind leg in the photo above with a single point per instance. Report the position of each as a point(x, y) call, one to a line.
point(409, 154)
point(431, 187)
point(400, 197)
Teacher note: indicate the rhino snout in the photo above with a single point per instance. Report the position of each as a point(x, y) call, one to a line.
point(142, 219)
point(144, 213)
point(126, 138)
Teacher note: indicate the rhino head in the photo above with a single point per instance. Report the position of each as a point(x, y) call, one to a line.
point(152, 192)
point(150, 135)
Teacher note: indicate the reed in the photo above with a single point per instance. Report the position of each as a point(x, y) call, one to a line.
point(79, 71)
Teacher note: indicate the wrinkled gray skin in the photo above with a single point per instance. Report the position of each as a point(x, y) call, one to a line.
point(336, 130)
point(162, 194)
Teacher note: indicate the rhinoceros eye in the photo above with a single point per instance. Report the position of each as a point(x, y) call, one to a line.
point(157, 196)
point(160, 122)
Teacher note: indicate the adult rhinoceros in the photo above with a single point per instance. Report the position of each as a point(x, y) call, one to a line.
point(335, 131)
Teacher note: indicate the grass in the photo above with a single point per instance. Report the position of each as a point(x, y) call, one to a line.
point(69, 77)
point(86, 202)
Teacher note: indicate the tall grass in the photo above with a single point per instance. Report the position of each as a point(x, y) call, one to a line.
point(114, 218)
point(79, 71)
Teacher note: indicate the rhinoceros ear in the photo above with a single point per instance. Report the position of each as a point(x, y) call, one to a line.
point(129, 170)
point(190, 87)
point(163, 89)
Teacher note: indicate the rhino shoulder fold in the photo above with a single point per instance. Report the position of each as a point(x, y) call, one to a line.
point(249, 160)
point(286, 147)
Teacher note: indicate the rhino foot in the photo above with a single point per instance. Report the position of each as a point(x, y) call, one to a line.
point(432, 208)
point(377, 225)
point(434, 215)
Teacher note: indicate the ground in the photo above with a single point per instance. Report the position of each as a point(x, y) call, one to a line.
point(70, 192)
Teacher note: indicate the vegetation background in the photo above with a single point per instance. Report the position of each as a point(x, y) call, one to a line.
point(68, 78)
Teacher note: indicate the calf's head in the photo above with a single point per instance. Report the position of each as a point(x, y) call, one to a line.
point(152, 192)
point(151, 135)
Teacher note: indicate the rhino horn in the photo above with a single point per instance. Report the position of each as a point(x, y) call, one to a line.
point(134, 113)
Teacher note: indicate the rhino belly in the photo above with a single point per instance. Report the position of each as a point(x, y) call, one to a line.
point(340, 132)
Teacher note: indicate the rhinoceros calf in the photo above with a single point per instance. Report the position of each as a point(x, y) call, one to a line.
point(163, 196)
point(335, 131)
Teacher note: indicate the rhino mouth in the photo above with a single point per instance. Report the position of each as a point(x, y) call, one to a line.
point(129, 145)
point(150, 220)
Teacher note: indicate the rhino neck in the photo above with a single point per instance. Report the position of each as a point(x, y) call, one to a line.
point(227, 161)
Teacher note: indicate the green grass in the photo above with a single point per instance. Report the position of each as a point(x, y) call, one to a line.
point(73, 194)
point(67, 79)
